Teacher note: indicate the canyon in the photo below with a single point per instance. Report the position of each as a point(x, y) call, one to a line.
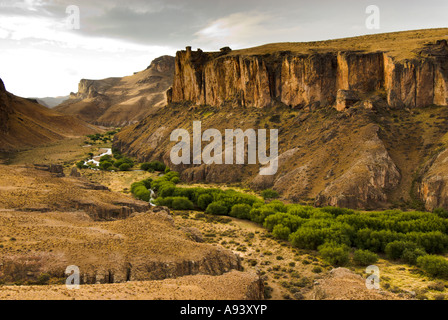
point(346, 111)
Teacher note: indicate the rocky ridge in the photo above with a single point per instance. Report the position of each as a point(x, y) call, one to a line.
point(122, 101)
point(357, 118)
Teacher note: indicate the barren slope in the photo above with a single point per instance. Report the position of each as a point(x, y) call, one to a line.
point(122, 101)
point(48, 223)
point(25, 124)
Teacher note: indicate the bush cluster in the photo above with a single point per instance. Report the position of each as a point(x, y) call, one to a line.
point(412, 237)
point(153, 166)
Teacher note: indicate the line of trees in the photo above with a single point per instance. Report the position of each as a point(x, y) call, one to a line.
point(416, 238)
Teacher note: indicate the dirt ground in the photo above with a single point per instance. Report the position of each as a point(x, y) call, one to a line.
point(288, 273)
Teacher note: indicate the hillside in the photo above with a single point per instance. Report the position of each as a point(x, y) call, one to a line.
point(361, 121)
point(25, 124)
point(51, 102)
point(122, 101)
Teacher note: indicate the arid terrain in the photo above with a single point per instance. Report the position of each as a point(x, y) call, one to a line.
point(361, 120)
point(26, 124)
point(122, 101)
point(42, 234)
point(363, 125)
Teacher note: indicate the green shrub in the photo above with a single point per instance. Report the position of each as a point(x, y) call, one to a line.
point(145, 166)
point(105, 165)
point(335, 211)
point(158, 166)
point(164, 202)
point(106, 158)
point(217, 208)
point(269, 194)
point(137, 184)
point(125, 167)
point(308, 238)
point(140, 192)
point(259, 214)
point(147, 183)
point(435, 266)
point(394, 250)
point(204, 200)
point(81, 165)
point(167, 189)
point(281, 232)
point(277, 206)
point(123, 160)
point(180, 203)
point(441, 212)
point(365, 257)
point(335, 254)
point(241, 211)
point(410, 255)
point(175, 180)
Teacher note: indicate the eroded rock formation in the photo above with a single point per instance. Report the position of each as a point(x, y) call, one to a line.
point(356, 117)
point(304, 79)
point(122, 101)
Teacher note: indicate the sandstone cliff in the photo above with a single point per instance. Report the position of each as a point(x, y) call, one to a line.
point(122, 101)
point(5, 108)
point(299, 80)
point(356, 117)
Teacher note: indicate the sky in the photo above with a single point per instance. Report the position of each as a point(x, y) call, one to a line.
point(44, 52)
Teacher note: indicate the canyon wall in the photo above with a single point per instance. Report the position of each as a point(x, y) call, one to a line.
point(5, 110)
point(314, 78)
point(355, 124)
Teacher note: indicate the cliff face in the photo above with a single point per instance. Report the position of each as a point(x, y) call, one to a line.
point(122, 101)
point(5, 109)
point(356, 117)
point(303, 79)
point(433, 188)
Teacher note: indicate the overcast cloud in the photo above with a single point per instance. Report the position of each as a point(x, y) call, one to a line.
point(40, 56)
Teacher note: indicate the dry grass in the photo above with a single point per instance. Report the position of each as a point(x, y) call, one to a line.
point(230, 286)
point(117, 181)
point(401, 45)
point(65, 151)
point(25, 188)
point(275, 259)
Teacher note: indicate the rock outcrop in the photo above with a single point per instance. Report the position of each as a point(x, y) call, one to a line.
point(343, 284)
point(5, 109)
point(234, 285)
point(122, 101)
point(304, 79)
point(56, 169)
point(433, 187)
point(366, 183)
point(356, 117)
point(146, 246)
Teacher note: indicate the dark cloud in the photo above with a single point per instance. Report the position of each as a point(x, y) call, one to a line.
point(177, 22)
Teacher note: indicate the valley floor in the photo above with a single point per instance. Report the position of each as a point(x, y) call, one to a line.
point(287, 272)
